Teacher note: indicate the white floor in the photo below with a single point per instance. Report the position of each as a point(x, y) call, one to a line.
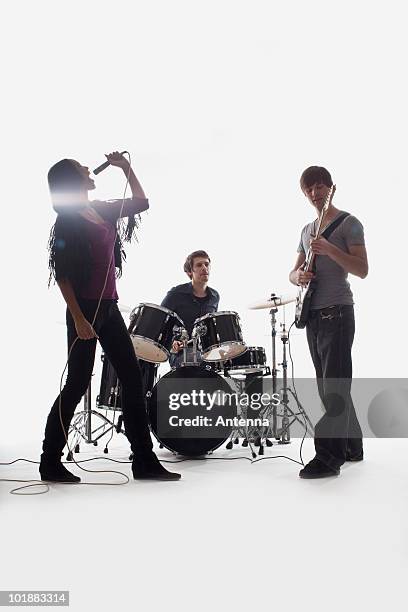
point(230, 534)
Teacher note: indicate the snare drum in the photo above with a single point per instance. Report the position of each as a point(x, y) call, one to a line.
point(152, 329)
point(220, 335)
point(250, 362)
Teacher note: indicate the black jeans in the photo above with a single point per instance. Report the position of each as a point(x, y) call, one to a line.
point(116, 343)
point(330, 334)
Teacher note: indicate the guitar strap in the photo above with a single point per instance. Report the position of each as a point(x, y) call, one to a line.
point(329, 230)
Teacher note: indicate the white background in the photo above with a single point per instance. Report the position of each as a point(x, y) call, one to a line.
point(222, 105)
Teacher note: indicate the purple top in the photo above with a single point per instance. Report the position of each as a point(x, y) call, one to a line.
point(102, 237)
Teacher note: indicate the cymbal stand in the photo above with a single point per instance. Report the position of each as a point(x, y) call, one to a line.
point(287, 414)
point(273, 312)
point(271, 412)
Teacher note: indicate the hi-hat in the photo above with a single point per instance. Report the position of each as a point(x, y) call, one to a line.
point(273, 302)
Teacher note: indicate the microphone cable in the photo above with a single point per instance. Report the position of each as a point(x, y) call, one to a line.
point(36, 482)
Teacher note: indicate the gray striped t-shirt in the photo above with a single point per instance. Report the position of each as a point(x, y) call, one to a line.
point(333, 287)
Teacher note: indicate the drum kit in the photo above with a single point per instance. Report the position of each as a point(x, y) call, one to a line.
point(215, 363)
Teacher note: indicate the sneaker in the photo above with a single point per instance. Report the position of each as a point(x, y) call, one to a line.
point(150, 468)
point(317, 469)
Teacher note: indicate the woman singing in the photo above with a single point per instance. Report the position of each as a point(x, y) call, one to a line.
point(85, 249)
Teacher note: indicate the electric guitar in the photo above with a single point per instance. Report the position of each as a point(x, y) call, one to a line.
point(304, 296)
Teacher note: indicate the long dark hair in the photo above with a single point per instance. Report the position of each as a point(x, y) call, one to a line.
point(69, 249)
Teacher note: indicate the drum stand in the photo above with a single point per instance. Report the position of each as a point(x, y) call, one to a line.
point(193, 342)
point(244, 431)
point(81, 426)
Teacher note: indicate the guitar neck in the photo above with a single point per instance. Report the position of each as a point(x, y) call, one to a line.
point(309, 261)
point(310, 257)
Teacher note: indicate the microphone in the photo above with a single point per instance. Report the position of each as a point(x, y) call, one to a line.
point(104, 165)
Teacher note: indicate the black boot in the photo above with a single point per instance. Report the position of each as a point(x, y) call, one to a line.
point(52, 470)
point(358, 457)
point(317, 469)
point(148, 467)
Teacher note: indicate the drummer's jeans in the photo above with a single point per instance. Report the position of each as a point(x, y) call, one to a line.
point(330, 334)
point(116, 343)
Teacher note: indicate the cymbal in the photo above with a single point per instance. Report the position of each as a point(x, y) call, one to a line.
point(273, 303)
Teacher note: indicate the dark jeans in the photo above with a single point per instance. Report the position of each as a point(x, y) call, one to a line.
point(330, 334)
point(116, 343)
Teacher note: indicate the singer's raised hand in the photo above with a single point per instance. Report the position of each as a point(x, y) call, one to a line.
point(117, 159)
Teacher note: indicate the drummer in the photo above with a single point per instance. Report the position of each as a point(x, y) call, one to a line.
point(192, 300)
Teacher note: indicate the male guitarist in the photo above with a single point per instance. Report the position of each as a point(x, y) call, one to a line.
point(330, 324)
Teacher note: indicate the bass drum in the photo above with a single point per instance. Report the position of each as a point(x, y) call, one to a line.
point(191, 410)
